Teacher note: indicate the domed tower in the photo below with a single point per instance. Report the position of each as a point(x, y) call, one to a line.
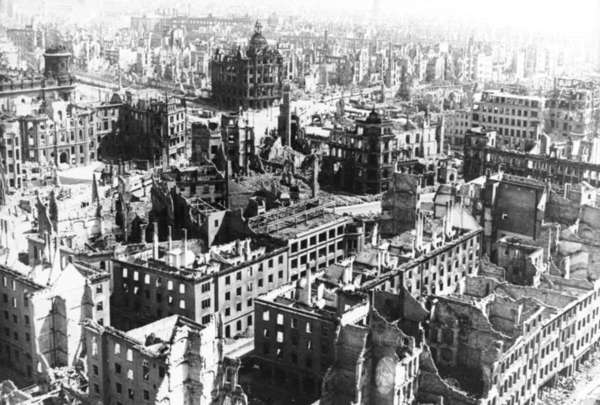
point(57, 64)
point(257, 41)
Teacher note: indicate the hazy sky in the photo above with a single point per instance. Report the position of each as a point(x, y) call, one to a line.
point(546, 15)
point(581, 16)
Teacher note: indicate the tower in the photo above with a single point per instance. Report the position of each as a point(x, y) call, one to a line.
point(284, 126)
point(57, 64)
point(598, 32)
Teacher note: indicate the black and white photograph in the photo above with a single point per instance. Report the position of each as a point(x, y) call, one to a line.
point(334, 202)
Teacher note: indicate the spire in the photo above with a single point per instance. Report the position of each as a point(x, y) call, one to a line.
point(53, 210)
point(95, 196)
point(2, 185)
point(258, 27)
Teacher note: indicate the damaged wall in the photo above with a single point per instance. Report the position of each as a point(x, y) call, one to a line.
point(561, 210)
point(459, 327)
point(399, 204)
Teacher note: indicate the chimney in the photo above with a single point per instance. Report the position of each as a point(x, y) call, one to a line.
point(48, 247)
point(306, 297)
point(143, 227)
point(315, 178)
point(567, 267)
point(320, 294)
point(56, 258)
point(567, 190)
point(247, 249)
point(170, 238)
point(379, 260)
point(375, 234)
point(347, 275)
point(419, 231)
point(449, 208)
point(185, 247)
point(155, 241)
point(549, 243)
point(444, 227)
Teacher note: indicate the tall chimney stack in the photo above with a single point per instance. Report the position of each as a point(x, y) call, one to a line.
point(155, 241)
point(307, 296)
point(185, 247)
point(170, 238)
point(48, 247)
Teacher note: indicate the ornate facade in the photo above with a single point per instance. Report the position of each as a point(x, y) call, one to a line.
point(253, 80)
point(362, 159)
point(482, 156)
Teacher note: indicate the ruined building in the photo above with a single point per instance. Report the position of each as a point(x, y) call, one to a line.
point(153, 130)
point(435, 257)
point(573, 108)
point(363, 159)
point(295, 329)
point(56, 83)
point(238, 141)
point(517, 119)
point(284, 121)
point(399, 204)
point(502, 342)
point(184, 277)
point(43, 307)
point(248, 79)
point(482, 154)
point(194, 198)
point(512, 206)
point(315, 237)
point(173, 359)
point(378, 363)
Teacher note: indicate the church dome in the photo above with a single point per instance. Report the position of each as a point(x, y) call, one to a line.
point(257, 41)
point(374, 117)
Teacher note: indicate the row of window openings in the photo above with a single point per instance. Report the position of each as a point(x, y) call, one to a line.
point(250, 285)
point(17, 356)
point(16, 335)
point(312, 241)
point(266, 315)
point(170, 299)
point(238, 326)
point(170, 285)
point(238, 307)
point(205, 286)
point(238, 275)
point(13, 300)
point(294, 356)
point(313, 255)
point(15, 318)
point(130, 392)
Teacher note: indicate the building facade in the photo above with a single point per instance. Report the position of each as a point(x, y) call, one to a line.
point(173, 359)
point(196, 285)
point(517, 119)
point(573, 108)
point(295, 332)
point(456, 124)
point(362, 159)
point(253, 80)
point(482, 155)
point(315, 238)
point(41, 316)
point(379, 362)
point(56, 83)
point(154, 130)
